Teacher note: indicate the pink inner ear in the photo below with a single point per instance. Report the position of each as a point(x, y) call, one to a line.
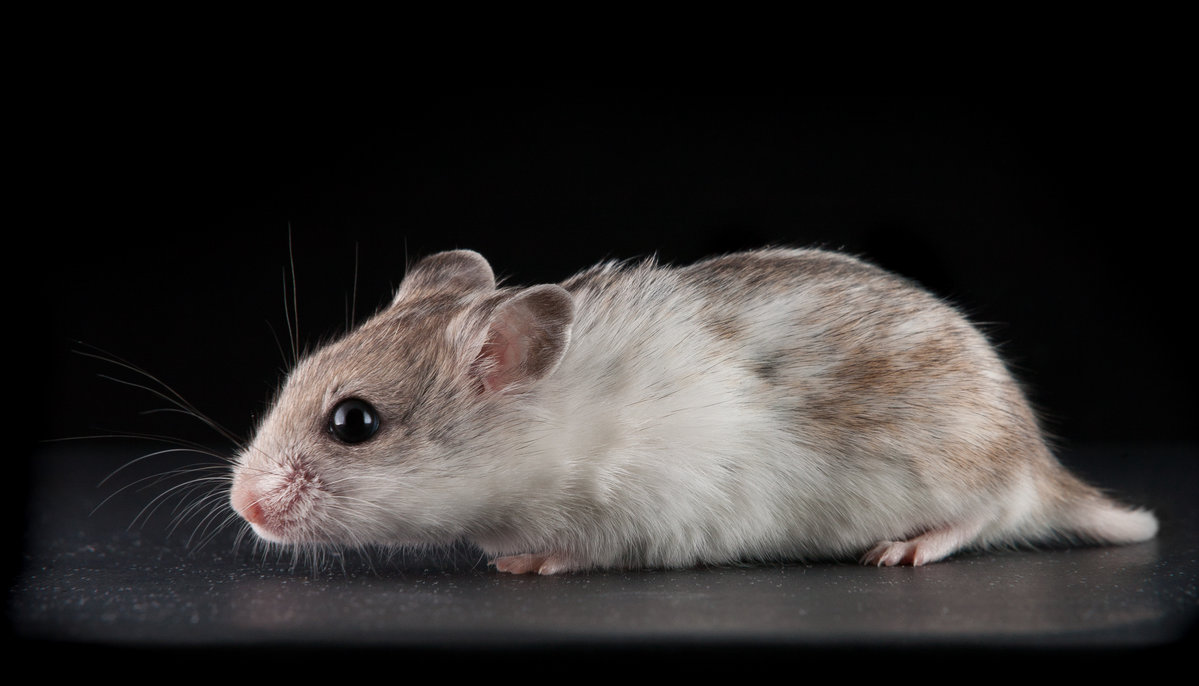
point(526, 338)
point(501, 356)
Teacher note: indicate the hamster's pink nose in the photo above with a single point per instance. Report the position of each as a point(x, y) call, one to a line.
point(253, 514)
point(245, 502)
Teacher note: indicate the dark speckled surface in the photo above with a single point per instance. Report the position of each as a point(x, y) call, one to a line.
point(91, 580)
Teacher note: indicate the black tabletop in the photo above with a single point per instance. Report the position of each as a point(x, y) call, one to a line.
point(103, 569)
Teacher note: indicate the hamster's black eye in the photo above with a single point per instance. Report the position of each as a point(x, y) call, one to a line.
point(353, 421)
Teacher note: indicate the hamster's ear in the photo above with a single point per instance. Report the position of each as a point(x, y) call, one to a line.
point(526, 338)
point(454, 271)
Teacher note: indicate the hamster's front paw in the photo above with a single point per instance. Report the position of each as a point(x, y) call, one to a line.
point(537, 563)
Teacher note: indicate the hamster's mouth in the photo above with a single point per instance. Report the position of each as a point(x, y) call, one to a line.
point(263, 531)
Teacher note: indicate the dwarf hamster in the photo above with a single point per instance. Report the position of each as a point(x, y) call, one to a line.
point(780, 404)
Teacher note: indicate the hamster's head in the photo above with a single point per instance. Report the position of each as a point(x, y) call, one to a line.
point(395, 434)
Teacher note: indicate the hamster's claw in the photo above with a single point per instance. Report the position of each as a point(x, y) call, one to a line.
point(542, 563)
point(892, 553)
point(930, 546)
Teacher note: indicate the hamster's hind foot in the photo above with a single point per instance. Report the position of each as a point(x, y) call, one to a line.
point(542, 563)
point(933, 545)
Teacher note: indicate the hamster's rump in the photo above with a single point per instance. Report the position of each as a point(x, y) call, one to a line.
point(776, 404)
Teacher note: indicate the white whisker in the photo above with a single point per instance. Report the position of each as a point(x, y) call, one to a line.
point(170, 395)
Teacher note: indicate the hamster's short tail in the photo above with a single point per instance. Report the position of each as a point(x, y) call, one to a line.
point(1102, 521)
point(1080, 513)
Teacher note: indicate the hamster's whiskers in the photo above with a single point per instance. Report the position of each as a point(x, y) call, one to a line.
point(201, 494)
point(168, 393)
point(183, 489)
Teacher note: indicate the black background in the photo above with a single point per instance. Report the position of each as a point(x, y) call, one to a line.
point(172, 216)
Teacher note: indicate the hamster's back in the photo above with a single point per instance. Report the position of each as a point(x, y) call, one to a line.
point(806, 402)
